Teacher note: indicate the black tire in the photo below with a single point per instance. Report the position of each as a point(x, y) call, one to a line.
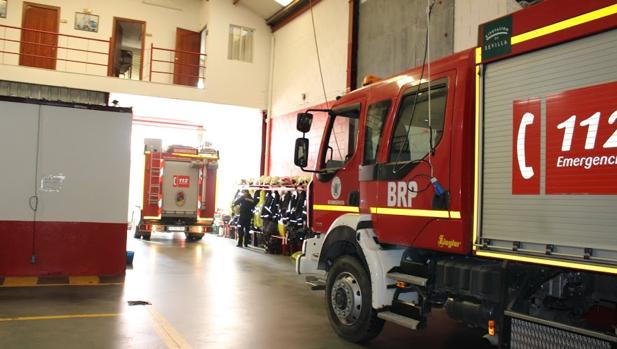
point(137, 234)
point(193, 237)
point(357, 323)
point(146, 236)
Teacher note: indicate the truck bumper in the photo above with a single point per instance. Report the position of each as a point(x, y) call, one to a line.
point(307, 262)
point(197, 229)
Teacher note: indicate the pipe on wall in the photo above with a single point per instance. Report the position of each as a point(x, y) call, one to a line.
point(268, 135)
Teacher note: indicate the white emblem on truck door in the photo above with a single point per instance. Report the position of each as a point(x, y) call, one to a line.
point(335, 187)
point(400, 194)
point(526, 171)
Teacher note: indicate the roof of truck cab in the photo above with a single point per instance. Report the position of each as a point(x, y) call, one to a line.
point(413, 74)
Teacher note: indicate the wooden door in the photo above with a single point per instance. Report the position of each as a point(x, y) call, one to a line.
point(114, 51)
point(186, 67)
point(125, 29)
point(39, 45)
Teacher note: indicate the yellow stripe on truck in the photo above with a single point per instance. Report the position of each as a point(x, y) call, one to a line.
point(336, 208)
point(549, 262)
point(391, 211)
point(415, 212)
point(565, 24)
point(476, 163)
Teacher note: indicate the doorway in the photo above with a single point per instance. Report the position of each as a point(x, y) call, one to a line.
point(39, 45)
point(188, 59)
point(127, 49)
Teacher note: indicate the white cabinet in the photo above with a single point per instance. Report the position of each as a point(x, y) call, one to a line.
point(64, 183)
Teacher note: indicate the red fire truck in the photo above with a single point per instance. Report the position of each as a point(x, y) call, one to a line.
point(179, 190)
point(487, 187)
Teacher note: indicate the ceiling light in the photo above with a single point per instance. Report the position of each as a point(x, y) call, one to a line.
point(284, 2)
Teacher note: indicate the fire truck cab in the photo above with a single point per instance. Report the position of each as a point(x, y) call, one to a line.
point(484, 184)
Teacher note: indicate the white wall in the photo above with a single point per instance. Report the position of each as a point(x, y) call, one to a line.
point(230, 81)
point(295, 61)
point(204, 13)
point(469, 14)
point(105, 84)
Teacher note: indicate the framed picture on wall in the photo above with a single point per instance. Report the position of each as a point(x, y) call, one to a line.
point(86, 22)
point(3, 8)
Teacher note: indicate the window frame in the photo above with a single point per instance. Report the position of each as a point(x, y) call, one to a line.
point(437, 84)
point(241, 48)
point(338, 112)
point(384, 121)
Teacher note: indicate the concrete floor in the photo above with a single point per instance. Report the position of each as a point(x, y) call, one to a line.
point(203, 295)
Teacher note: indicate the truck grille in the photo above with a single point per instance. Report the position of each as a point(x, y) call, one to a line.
point(526, 335)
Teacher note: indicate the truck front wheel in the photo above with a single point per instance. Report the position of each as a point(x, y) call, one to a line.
point(348, 296)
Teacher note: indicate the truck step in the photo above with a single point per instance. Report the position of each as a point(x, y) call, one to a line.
point(410, 279)
point(401, 320)
point(315, 283)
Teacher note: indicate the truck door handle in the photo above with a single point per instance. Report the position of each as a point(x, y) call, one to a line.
point(34, 203)
point(354, 198)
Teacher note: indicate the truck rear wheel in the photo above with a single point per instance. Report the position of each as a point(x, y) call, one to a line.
point(348, 297)
point(146, 236)
point(137, 234)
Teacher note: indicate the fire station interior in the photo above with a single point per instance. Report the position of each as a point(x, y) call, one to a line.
point(308, 174)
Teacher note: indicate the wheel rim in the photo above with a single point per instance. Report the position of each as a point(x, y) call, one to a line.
point(346, 298)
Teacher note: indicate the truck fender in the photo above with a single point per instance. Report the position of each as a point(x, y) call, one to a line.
point(315, 250)
point(379, 261)
point(308, 260)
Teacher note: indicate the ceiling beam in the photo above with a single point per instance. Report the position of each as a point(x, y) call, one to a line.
point(289, 12)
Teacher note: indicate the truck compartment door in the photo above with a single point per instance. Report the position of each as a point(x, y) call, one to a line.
point(549, 182)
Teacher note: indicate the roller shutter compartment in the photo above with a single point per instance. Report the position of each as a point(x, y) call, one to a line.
point(569, 212)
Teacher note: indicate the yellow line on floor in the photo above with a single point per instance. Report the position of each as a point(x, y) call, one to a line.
point(12, 281)
point(172, 338)
point(35, 281)
point(84, 280)
point(59, 317)
point(57, 285)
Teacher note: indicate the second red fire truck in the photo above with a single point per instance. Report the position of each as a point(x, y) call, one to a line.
point(179, 190)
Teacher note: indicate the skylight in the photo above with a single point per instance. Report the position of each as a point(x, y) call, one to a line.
point(284, 2)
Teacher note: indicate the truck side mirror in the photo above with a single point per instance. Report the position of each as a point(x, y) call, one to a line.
point(301, 152)
point(304, 122)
